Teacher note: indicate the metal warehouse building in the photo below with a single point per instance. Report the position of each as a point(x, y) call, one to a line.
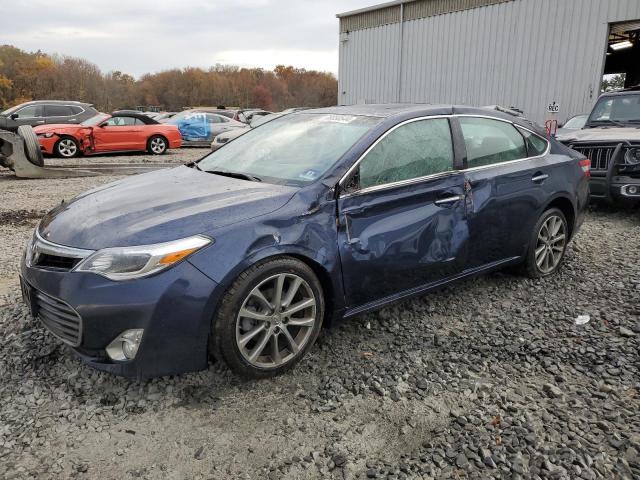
point(539, 56)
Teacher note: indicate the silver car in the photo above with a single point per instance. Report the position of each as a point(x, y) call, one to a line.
point(226, 137)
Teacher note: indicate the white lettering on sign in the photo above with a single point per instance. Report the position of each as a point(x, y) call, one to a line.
point(553, 107)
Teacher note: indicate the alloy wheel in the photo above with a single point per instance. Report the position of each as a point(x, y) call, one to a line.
point(67, 147)
point(276, 321)
point(552, 240)
point(158, 145)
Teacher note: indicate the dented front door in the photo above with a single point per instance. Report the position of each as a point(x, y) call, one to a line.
point(396, 239)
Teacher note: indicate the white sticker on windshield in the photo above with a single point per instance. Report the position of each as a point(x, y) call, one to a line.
point(338, 118)
point(309, 175)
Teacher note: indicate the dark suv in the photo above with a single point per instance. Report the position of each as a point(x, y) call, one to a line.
point(40, 112)
point(611, 139)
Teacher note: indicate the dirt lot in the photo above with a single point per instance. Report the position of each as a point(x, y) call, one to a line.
point(490, 378)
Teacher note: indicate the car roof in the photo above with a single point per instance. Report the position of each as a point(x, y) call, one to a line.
point(411, 110)
point(140, 116)
point(63, 102)
point(625, 92)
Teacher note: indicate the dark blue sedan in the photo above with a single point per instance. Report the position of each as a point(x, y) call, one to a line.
point(312, 217)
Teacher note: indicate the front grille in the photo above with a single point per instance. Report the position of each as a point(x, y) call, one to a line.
point(56, 261)
point(47, 255)
point(58, 317)
point(600, 155)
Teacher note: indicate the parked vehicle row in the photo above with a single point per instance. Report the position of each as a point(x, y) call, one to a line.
point(312, 217)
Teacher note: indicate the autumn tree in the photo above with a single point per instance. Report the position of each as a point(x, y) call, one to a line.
point(35, 75)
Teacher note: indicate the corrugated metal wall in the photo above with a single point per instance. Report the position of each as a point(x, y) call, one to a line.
point(522, 53)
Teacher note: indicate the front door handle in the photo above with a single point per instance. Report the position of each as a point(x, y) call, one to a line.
point(449, 200)
point(539, 177)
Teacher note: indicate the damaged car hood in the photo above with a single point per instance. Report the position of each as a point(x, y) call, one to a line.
point(601, 134)
point(158, 207)
point(58, 128)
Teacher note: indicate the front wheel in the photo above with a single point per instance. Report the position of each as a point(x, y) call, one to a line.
point(548, 244)
point(269, 318)
point(157, 145)
point(67, 147)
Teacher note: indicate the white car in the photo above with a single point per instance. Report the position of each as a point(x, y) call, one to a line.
point(226, 137)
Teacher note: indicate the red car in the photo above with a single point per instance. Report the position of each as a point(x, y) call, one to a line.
point(119, 132)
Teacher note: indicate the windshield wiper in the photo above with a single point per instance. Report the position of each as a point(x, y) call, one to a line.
point(241, 176)
point(613, 122)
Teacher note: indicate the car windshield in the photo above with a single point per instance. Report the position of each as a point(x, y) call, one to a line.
point(95, 120)
point(9, 110)
point(295, 149)
point(576, 122)
point(619, 109)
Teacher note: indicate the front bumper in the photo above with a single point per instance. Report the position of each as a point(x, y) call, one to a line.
point(174, 308)
point(616, 188)
point(47, 144)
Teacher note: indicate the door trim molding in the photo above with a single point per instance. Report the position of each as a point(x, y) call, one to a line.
point(382, 302)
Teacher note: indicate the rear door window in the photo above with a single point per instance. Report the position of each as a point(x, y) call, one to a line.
point(413, 150)
point(536, 145)
point(490, 142)
point(58, 111)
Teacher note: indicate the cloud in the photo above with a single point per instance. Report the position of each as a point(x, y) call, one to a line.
point(140, 36)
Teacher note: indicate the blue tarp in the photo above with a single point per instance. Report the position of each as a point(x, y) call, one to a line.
point(194, 127)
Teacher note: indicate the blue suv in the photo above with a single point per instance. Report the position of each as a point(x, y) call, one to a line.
point(315, 216)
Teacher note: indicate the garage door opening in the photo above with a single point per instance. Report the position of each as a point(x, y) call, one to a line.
point(622, 64)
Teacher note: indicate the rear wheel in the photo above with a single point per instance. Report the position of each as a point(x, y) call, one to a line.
point(157, 145)
point(269, 318)
point(548, 244)
point(31, 145)
point(67, 147)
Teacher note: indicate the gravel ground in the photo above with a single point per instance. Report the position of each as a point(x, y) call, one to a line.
point(490, 378)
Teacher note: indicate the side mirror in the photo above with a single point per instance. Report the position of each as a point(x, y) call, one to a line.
point(14, 116)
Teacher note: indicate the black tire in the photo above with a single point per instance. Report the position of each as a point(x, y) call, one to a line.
point(531, 265)
point(31, 145)
point(157, 145)
point(67, 147)
point(223, 342)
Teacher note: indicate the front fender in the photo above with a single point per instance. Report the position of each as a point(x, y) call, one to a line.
point(312, 238)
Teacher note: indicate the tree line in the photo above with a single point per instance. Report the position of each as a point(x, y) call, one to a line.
point(28, 76)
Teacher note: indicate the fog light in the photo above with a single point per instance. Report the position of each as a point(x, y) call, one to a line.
point(632, 190)
point(125, 346)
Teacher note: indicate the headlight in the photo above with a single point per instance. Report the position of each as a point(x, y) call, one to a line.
point(632, 156)
point(126, 263)
point(46, 135)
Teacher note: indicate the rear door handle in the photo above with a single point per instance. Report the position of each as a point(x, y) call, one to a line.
point(539, 177)
point(449, 200)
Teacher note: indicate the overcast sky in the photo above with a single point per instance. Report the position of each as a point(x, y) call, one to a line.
point(140, 36)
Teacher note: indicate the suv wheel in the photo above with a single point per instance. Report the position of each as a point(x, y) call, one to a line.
point(269, 318)
point(548, 244)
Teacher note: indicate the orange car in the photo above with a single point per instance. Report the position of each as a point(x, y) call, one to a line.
point(119, 132)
